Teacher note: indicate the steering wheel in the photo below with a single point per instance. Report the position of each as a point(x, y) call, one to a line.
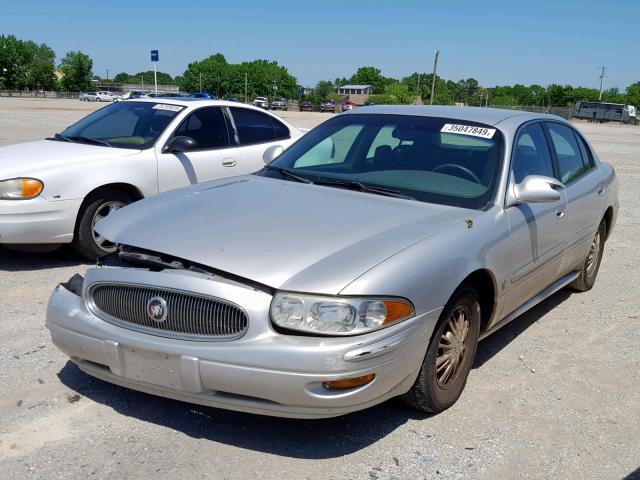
point(455, 166)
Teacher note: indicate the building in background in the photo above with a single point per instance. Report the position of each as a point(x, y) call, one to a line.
point(358, 94)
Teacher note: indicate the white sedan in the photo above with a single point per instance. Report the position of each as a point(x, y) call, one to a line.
point(53, 191)
point(100, 97)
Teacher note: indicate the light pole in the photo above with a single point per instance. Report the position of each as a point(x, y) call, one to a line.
point(433, 80)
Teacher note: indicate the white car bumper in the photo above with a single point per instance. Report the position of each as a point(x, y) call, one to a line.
point(37, 221)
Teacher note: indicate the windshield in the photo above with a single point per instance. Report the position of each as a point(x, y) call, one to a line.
point(435, 160)
point(135, 125)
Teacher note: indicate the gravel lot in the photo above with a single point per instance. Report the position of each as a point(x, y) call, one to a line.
point(556, 394)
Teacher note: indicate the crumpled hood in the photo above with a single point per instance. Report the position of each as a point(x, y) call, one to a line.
point(27, 159)
point(283, 234)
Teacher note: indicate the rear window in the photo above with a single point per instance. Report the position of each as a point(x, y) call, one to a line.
point(257, 127)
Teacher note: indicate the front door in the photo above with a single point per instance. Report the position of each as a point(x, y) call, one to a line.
point(538, 230)
point(215, 157)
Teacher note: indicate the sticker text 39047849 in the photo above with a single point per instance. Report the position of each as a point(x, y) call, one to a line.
point(468, 130)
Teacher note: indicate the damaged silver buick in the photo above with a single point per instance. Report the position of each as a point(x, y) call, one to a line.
point(363, 263)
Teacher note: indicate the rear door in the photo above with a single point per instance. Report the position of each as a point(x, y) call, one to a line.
point(215, 157)
point(254, 132)
point(584, 185)
point(538, 230)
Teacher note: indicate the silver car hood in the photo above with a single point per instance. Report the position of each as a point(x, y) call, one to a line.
point(283, 234)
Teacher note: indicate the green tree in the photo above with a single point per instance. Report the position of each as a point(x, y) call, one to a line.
point(633, 94)
point(14, 59)
point(144, 77)
point(40, 71)
point(370, 76)
point(400, 92)
point(76, 70)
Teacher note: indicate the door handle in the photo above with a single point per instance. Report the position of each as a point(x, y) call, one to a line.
point(229, 162)
point(601, 190)
point(560, 212)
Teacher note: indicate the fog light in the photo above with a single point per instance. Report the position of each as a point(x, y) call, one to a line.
point(345, 383)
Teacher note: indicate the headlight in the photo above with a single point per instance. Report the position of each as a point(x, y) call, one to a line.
point(337, 315)
point(20, 188)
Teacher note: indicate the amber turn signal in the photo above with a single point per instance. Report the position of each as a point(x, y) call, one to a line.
point(345, 383)
point(31, 187)
point(397, 311)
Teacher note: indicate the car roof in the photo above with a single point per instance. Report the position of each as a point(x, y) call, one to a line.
point(188, 101)
point(489, 116)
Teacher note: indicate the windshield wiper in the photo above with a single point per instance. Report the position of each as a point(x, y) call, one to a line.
point(57, 136)
point(94, 141)
point(286, 173)
point(388, 192)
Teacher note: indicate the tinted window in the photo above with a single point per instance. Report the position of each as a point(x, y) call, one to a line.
point(567, 152)
point(407, 154)
point(257, 127)
point(531, 154)
point(206, 126)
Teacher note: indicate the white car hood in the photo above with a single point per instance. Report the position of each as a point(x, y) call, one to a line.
point(32, 159)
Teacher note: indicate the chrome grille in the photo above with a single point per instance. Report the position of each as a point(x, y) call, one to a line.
point(189, 316)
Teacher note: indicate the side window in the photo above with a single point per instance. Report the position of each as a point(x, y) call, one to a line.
point(257, 127)
point(568, 155)
point(587, 156)
point(531, 154)
point(206, 126)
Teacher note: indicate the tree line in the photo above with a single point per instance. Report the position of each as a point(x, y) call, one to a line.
point(26, 65)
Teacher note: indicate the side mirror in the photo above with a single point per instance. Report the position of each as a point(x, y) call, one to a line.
point(180, 144)
point(537, 189)
point(271, 153)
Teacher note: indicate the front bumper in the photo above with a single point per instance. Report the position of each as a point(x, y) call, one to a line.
point(263, 372)
point(37, 220)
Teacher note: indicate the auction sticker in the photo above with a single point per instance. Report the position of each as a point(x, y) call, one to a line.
point(164, 106)
point(468, 130)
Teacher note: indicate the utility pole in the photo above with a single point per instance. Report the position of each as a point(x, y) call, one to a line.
point(245, 88)
point(433, 81)
point(601, 79)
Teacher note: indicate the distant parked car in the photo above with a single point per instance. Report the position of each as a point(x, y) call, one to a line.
point(327, 106)
point(200, 95)
point(261, 102)
point(53, 191)
point(279, 103)
point(99, 97)
point(305, 106)
point(133, 94)
point(348, 106)
point(232, 99)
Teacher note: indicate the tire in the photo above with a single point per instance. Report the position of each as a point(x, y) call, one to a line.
point(94, 207)
point(591, 265)
point(433, 390)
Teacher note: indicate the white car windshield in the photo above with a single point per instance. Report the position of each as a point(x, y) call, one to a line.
point(435, 160)
point(134, 125)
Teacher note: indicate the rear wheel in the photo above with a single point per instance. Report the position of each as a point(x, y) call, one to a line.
point(450, 354)
point(88, 242)
point(591, 265)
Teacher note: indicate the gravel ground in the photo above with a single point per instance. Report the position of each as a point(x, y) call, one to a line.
point(553, 395)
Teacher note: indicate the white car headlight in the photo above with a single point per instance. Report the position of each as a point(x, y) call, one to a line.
point(337, 315)
point(20, 188)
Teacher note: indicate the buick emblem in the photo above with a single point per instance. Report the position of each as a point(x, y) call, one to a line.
point(157, 309)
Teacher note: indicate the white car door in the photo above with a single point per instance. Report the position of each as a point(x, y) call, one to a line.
point(213, 157)
point(255, 131)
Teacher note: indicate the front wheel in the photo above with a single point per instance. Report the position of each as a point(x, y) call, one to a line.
point(591, 265)
point(450, 355)
point(88, 242)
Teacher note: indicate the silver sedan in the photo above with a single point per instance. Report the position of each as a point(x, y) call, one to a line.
point(365, 262)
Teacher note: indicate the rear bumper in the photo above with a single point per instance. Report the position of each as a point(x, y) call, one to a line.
point(37, 221)
point(264, 372)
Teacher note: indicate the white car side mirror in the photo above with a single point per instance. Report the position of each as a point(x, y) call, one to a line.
point(271, 153)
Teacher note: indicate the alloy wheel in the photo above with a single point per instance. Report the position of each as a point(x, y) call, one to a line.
point(594, 255)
